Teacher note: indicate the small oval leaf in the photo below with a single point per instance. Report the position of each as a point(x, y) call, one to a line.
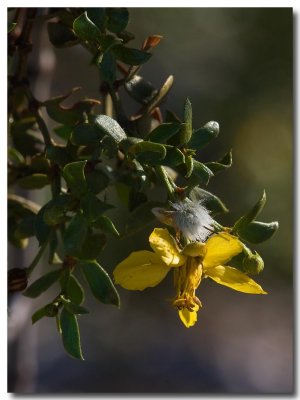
point(110, 127)
point(257, 232)
point(42, 284)
point(70, 334)
point(75, 178)
point(201, 137)
point(100, 283)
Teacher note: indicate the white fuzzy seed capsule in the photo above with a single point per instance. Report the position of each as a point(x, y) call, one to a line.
point(190, 218)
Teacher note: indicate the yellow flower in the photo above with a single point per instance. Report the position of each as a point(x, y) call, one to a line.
point(190, 265)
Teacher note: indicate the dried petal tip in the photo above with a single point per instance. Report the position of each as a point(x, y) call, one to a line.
point(192, 219)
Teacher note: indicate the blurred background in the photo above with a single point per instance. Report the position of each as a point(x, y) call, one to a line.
point(236, 66)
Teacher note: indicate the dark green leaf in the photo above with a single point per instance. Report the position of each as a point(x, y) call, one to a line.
point(172, 118)
point(75, 178)
point(108, 68)
point(173, 157)
point(59, 155)
point(201, 174)
point(34, 181)
point(42, 284)
point(84, 134)
point(11, 27)
point(131, 56)
point(74, 308)
point(75, 235)
point(97, 181)
point(189, 163)
point(42, 230)
point(55, 210)
point(93, 207)
point(110, 127)
point(92, 246)
point(26, 227)
point(106, 224)
point(148, 152)
point(117, 19)
point(251, 215)
point(15, 156)
point(141, 216)
point(209, 200)
point(38, 315)
point(140, 90)
point(64, 131)
point(204, 135)
point(70, 334)
point(74, 290)
point(97, 16)
point(163, 132)
point(85, 29)
point(100, 283)
point(257, 232)
point(61, 35)
point(224, 163)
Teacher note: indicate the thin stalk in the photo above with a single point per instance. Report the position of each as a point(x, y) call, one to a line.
point(36, 259)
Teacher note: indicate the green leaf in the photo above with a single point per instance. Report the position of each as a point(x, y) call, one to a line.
point(74, 290)
point(69, 115)
point(92, 246)
point(70, 334)
point(189, 163)
point(34, 181)
point(93, 207)
point(97, 181)
point(173, 157)
point(140, 90)
point(224, 163)
point(100, 283)
point(59, 155)
point(75, 178)
point(39, 314)
point(251, 215)
point(185, 132)
point(141, 217)
point(106, 224)
point(15, 156)
point(108, 68)
point(110, 127)
point(61, 35)
point(201, 174)
point(11, 26)
point(56, 209)
point(204, 135)
point(257, 232)
point(26, 227)
point(42, 284)
point(117, 19)
point(163, 132)
point(85, 29)
point(209, 200)
point(84, 134)
point(97, 16)
point(42, 230)
point(131, 56)
point(75, 235)
point(73, 308)
point(148, 152)
point(64, 131)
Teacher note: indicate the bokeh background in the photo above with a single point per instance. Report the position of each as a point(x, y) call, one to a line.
point(236, 66)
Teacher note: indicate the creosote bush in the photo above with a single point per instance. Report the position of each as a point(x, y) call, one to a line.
point(87, 152)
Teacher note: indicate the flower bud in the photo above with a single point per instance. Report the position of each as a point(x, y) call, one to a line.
point(17, 280)
point(253, 263)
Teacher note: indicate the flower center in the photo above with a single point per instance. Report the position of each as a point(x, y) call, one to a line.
point(186, 280)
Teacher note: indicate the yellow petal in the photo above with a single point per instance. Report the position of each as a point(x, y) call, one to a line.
point(234, 279)
point(140, 270)
point(220, 249)
point(195, 249)
point(166, 248)
point(189, 318)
